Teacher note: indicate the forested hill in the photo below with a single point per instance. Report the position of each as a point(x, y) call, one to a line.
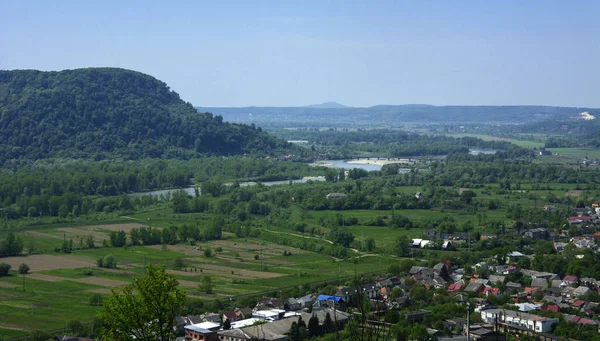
point(109, 112)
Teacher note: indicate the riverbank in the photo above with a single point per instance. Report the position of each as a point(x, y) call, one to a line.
point(379, 162)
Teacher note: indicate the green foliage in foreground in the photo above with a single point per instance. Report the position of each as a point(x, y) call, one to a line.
point(144, 310)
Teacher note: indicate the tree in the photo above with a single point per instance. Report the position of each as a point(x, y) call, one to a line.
point(4, 268)
point(40, 335)
point(11, 246)
point(95, 300)
point(146, 309)
point(226, 324)
point(90, 242)
point(107, 261)
point(76, 327)
point(328, 325)
point(206, 286)
point(23, 269)
point(313, 326)
point(294, 333)
point(341, 236)
point(401, 247)
point(207, 252)
point(369, 244)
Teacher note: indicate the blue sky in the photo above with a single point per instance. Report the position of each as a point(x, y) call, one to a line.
point(293, 53)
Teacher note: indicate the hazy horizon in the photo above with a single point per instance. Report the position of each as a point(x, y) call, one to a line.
point(294, 54)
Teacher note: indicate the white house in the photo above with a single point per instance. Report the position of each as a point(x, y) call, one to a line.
point(532, 322)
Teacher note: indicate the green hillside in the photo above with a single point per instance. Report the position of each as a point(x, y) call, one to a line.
point(109, 112)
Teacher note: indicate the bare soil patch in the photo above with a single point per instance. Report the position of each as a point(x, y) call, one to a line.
point(114, 227)
point(49, 262)
point(82, 231)
point(105, 282)
point(573, 193)
point(188, 284)
point(42, 235)
point(13, 327)
point(48, 278)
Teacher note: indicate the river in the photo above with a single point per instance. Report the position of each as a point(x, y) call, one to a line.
point(191, 190)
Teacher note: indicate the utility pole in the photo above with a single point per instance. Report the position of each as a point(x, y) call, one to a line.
point(468, 321)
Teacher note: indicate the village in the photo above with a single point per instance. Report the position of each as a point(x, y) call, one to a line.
point(501, 296)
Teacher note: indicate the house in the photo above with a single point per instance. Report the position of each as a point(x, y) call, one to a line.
point(492, 291)
point(580, 291)
point(232, 316)
point(420, 243)
point(455, 324)
point(336, 196)
point(474, 287)
point(539, 283)
point(513, 287)
point(510, 318)
point(305, 301)
point(570, 280)
point(549, 208)
point(514, 257)
point(441, 268)
point(419, 195)
point(577, 220)
point(537, 234)
point(581, 320)
point(584, 242)
point(278, 330)
point(486, 334)
point(549, 307)
point(554, 292)
point(589, 282)
point(560, 246)
point(496, 278)
point(267, 302)
point(197, 333)
point(454, 287)
point(416, 316)
point(292, 304)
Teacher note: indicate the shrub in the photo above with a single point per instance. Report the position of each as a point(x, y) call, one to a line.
point(95, 299)
point(23, 269)
point(178, 262)
point(208, 253)
point(107, 261)
point(4, 268)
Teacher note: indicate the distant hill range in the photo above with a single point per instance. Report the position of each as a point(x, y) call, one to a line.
point(109, 112)
point(397, 115)
point(328, 105)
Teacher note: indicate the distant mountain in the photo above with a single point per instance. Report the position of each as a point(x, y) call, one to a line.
point(397, 115)
point(328, 105)
point(109, 112)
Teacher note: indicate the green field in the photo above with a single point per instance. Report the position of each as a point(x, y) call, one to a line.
point(579, 153)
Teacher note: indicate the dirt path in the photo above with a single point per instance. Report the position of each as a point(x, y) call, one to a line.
point(105, 282)
point(49, 262)
point(48, 278)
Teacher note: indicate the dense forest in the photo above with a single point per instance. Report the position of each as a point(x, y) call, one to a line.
point(107, 112)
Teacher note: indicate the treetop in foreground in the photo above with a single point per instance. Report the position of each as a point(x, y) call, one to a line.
point(144, 310)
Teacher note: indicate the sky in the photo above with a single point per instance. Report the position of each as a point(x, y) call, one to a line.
point(296, 53)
